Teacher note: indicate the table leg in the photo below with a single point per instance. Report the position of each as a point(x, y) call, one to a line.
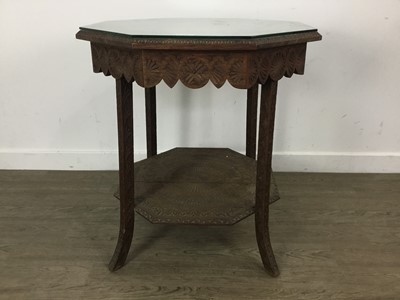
point(126, 174)
point(151, 122)
point(263, 183)
point(251, 121)
point(251, 130)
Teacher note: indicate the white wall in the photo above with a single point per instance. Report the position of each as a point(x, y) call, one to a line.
point(342, 115)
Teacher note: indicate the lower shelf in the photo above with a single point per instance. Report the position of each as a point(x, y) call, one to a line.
point(209, 186)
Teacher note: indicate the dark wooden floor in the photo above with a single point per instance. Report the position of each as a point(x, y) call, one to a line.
point(336, 236)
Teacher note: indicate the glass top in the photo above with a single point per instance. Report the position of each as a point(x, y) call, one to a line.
point(213, 28)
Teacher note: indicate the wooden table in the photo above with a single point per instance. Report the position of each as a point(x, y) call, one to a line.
point(208, 186)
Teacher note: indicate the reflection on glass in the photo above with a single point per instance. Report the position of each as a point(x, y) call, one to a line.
point(244, 28)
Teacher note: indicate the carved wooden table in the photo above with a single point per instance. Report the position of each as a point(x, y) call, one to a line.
point(188, 185)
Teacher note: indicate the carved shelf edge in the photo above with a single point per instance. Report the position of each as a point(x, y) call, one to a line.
point(242, 69)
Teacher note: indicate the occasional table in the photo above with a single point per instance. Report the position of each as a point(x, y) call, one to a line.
point(207, 186)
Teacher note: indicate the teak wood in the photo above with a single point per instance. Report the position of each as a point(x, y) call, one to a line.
point(245, 63)
point(265, 138)
point(195, 68)
point(151, 121)
point(125, 146)
point(251, 121)
point(202, 186)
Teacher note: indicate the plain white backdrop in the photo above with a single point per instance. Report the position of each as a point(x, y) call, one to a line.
point(343, 115)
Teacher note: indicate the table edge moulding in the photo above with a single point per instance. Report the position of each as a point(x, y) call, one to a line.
point(207, 186)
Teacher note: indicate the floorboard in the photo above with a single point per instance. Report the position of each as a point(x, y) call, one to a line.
point(335, 236)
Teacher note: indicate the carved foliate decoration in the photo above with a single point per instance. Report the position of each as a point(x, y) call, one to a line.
point(242, 69)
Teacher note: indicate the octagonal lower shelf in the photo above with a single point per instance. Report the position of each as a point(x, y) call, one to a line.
point(208, 186)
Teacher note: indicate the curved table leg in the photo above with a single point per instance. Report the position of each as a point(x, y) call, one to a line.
point(251, 133)
point(263, 183)
point(126, 178)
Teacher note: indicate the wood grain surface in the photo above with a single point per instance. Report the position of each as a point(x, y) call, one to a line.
point(335, 236)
